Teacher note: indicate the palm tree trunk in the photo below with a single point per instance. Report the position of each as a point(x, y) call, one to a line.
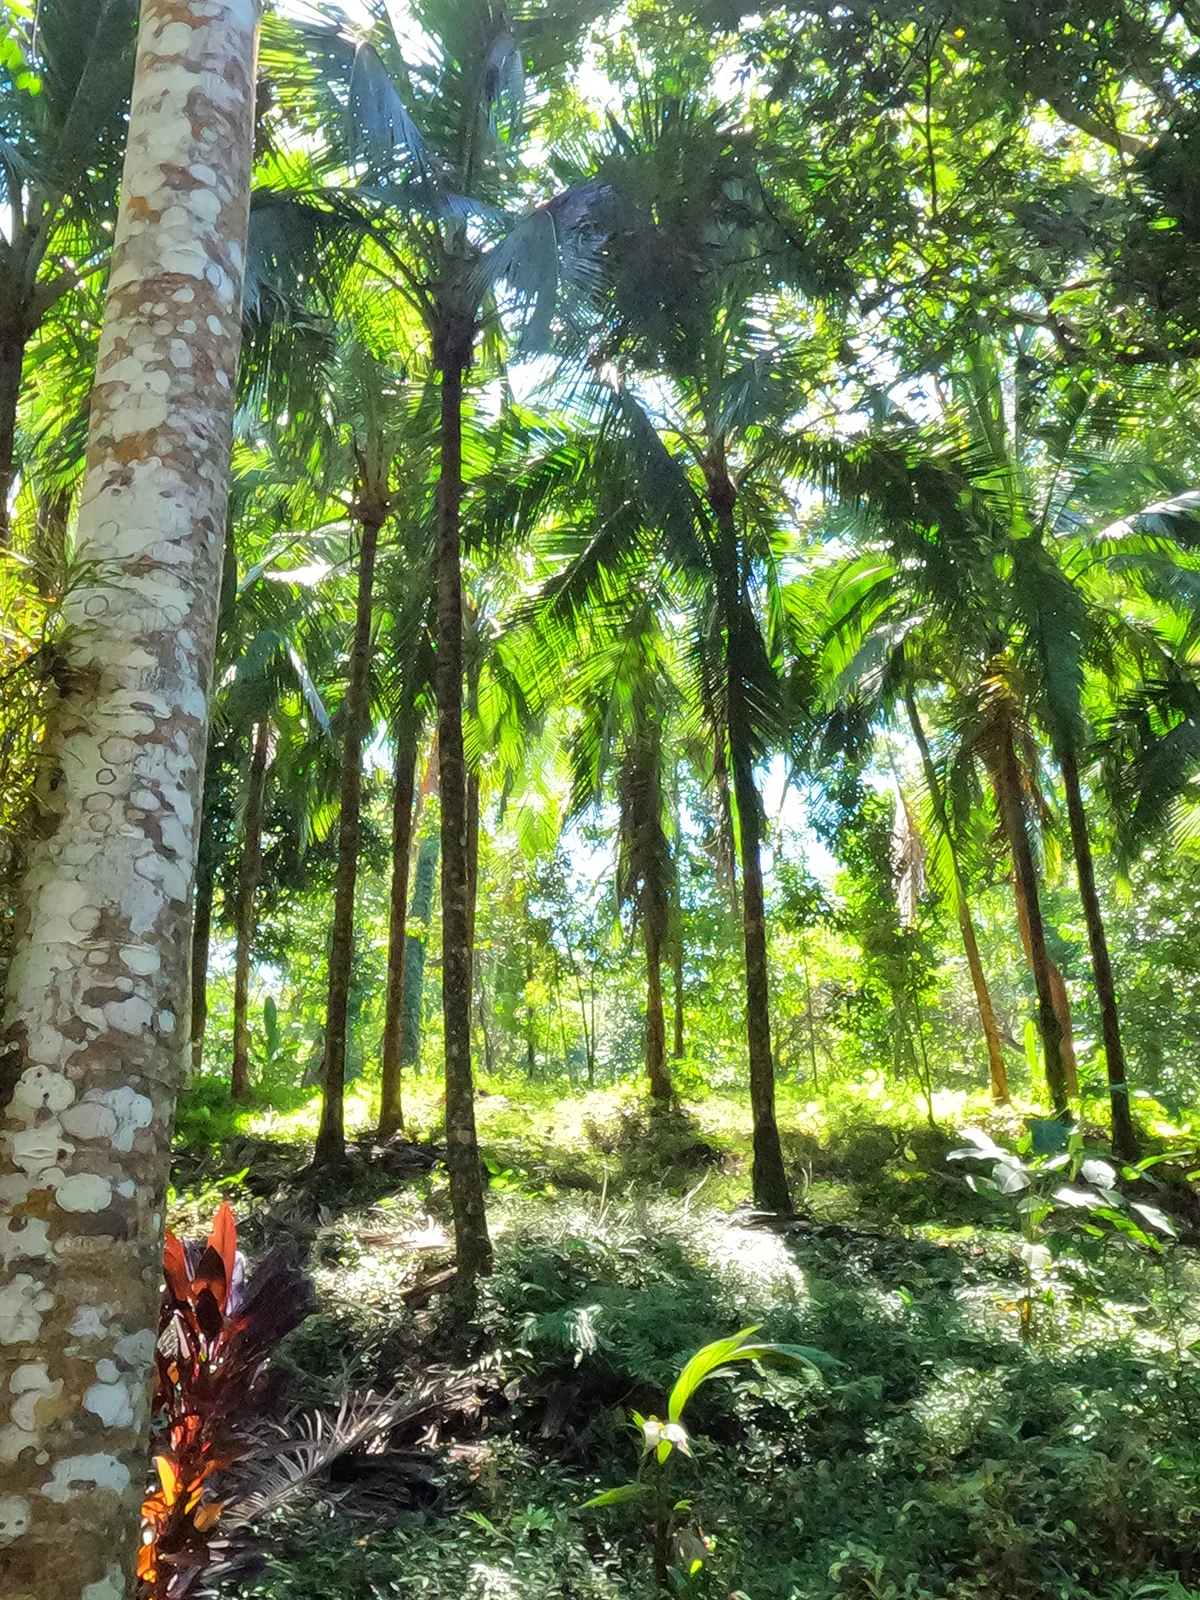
point(1124, 1139)
point(249, 872)
point(808, 1012)
point(769, 1178)
point(13, 340)
point(331, 1135)
point(530, 1013)
point(391, 1106)
point(201, 939)
point(1007, 779)
point(726, 843)
point(1058, 991)
point(472, 1246)
point(997, 1071)
point(98, 985)
point(420, 911)
point(656, 1026)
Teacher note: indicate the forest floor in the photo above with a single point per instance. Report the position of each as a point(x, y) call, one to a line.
point(940, 1449)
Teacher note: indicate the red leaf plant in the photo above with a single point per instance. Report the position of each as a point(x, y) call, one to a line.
point(216, 1329)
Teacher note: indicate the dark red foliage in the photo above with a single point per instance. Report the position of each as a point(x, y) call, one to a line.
point(216, 1330)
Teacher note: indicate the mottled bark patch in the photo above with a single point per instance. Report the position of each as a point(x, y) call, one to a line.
point(98, 985)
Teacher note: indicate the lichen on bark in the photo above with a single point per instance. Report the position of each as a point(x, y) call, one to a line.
point(95, 1014)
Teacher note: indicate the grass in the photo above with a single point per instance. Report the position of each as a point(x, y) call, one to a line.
point(938, 1455)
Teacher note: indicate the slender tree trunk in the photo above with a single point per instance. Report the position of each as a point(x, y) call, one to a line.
point(331, 1135)
point(770, 1181)
point(656, 1026)
point(808, 1008)
point(1124, 1139)
point(1058, 991)
point(472, 1246)
point(98, 985)
point(530, 1014)
point(391, 1107)
point(726, 843)
point(12, 359)
point(769, 1178)
point(420, 911)
point(677, 973)
point(249, 873)
point(201, 939)
point(1012, 816)
point(997, 1071)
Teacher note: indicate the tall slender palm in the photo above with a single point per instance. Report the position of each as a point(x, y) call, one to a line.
point(380, 412)
point(997, 556)
point(997, 1071)
point(406, 692)
point(626, 695)
point(696, 248)
point(433, 132)
point(269, 661)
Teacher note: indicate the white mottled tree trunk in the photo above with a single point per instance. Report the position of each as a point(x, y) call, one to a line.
point(95, 1020)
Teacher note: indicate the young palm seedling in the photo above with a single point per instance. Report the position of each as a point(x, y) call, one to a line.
point(678, 1547)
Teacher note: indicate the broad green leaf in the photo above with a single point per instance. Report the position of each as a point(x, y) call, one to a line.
point(706, 1363)
point(618, 1496)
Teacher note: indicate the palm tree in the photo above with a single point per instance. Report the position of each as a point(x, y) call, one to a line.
point(378, 397)
point(408, 673)
point(997, 1071)
point(1024, 600)
point(697, 246)
point(98, 979)
point(926, 580)
point(433, 135)
point(626, 695)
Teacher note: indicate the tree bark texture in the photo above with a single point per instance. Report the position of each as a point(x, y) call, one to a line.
point(472, 1245)
point(1124, 1139)
point(420, 911)
point(1012, 816)
point(97, 991)
point(331, 1135)
point(249, 873)
point(656, 1025)
point(12, 359)
point(997, 1071)
point(769, 1179)
point(1058, 991)
point(391, 1106)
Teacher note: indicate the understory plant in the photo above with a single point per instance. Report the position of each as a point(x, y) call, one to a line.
point(1061, 1189)
point(217, 1328)
point(677, 1542)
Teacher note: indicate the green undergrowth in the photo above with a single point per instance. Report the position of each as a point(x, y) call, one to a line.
point(934, 1453)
